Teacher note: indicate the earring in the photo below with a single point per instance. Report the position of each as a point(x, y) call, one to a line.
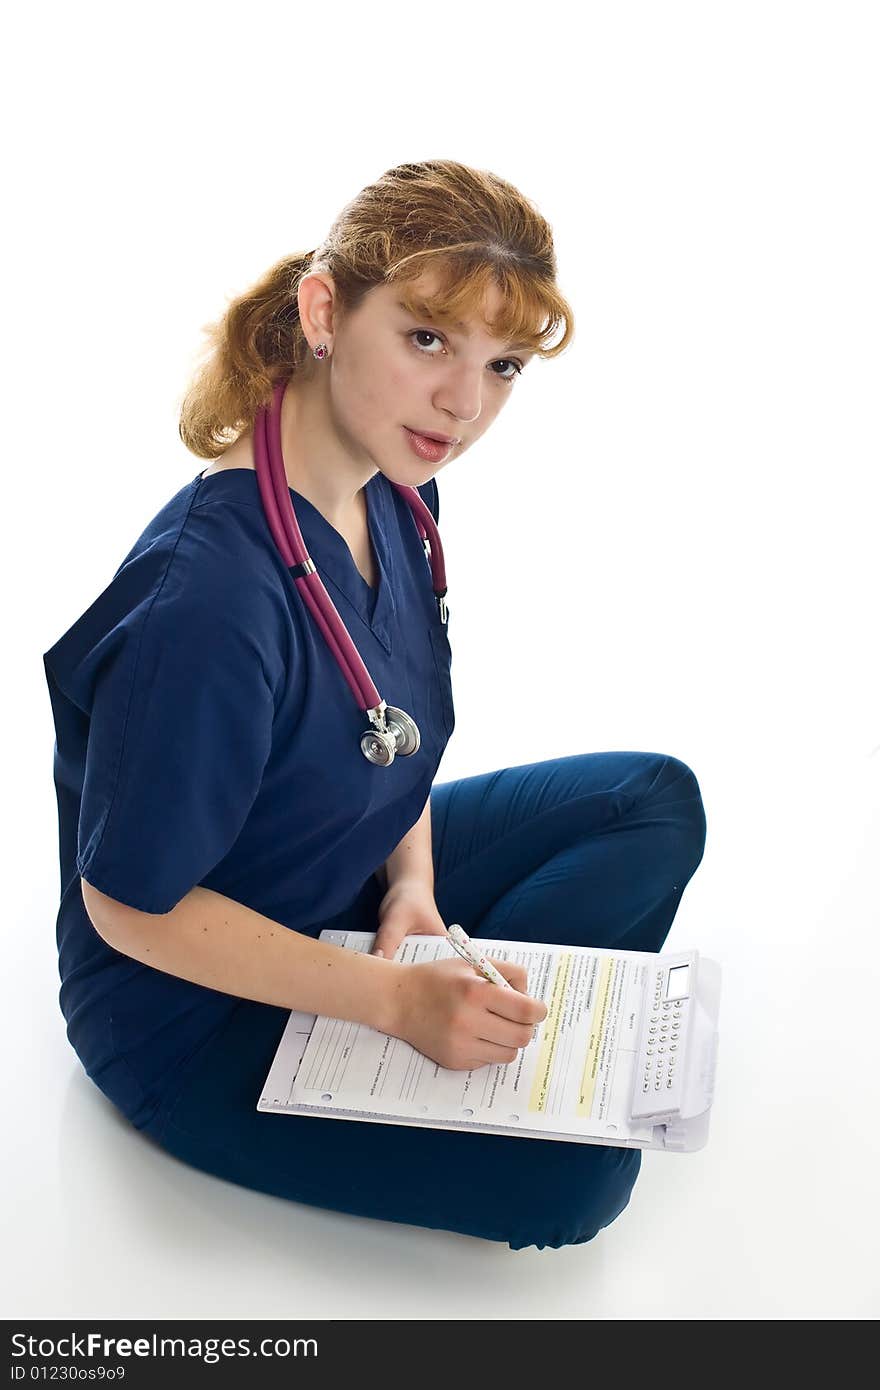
point(321, 350)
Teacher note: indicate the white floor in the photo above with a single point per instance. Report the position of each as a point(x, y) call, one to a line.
point(776, 1218)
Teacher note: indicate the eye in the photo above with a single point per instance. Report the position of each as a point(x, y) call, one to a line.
point(503, 361)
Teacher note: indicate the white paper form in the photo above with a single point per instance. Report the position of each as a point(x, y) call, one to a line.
point(574, 1079)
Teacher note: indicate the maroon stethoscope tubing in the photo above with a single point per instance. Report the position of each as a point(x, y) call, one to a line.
point(278, 506)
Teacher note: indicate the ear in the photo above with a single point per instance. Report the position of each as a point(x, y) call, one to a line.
point(316, 300)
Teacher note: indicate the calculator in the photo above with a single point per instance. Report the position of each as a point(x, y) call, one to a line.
point(674, 1070)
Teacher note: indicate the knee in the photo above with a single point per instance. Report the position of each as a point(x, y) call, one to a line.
point(677, 790)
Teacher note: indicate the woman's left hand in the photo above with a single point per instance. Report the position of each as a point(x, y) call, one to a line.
point(407, 909)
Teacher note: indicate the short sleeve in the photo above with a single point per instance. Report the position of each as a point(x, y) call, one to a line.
point(179, 736)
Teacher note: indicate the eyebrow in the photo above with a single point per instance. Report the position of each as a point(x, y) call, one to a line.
point(463, 328)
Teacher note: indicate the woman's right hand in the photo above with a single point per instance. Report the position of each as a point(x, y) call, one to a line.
point(460, 1020)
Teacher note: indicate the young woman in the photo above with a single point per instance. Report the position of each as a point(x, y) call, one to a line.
point(216, 811)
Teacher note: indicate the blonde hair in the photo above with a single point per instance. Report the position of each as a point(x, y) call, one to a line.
point(473, 227)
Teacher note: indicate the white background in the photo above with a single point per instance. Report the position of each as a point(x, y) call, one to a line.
point(667, 542)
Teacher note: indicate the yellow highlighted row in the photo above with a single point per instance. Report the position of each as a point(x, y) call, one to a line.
point(550, 1037)
point(597, 1029)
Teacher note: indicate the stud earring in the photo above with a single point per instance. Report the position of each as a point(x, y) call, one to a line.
point(321, 350)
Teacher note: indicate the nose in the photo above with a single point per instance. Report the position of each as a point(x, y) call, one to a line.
point(460, 396)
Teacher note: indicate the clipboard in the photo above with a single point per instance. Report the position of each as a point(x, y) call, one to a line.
point(626, 1055)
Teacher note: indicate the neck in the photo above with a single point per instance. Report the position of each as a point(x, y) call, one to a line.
point(317, 465)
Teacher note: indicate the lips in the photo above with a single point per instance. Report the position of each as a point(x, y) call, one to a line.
point(426, 448)
point(440, 438)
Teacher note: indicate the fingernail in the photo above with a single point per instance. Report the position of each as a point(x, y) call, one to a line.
point(378, 953)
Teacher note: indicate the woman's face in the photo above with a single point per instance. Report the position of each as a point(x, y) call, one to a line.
point(392, 371)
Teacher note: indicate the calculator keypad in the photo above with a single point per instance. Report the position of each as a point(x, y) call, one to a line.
point(658, 1087)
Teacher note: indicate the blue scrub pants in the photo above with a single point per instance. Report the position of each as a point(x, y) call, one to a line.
point(594, 849)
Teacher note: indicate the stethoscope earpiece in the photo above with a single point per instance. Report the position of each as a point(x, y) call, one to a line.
point(380, 746)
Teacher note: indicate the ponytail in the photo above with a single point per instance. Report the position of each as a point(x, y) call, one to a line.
point(257, 343)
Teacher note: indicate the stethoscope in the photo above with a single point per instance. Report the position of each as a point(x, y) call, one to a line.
point(392, 730)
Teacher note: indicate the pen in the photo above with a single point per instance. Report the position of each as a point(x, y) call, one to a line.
point(471, 953)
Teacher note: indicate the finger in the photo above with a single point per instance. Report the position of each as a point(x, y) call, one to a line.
point(387, 941)
point(515, 1006)
point(491, 1052)
point(500, 1032)
point(514, 974)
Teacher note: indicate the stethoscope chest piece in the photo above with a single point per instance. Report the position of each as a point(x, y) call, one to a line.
point(381, 745)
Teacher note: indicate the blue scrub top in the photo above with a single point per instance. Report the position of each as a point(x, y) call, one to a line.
point(205, 735)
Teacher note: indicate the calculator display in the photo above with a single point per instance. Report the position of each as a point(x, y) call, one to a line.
point(678, 982)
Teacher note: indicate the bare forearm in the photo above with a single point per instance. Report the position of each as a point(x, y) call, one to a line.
point(215, 941)
point(412, 859)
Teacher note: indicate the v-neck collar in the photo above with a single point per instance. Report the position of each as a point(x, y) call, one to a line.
point(333, 559)
point(373, 606)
